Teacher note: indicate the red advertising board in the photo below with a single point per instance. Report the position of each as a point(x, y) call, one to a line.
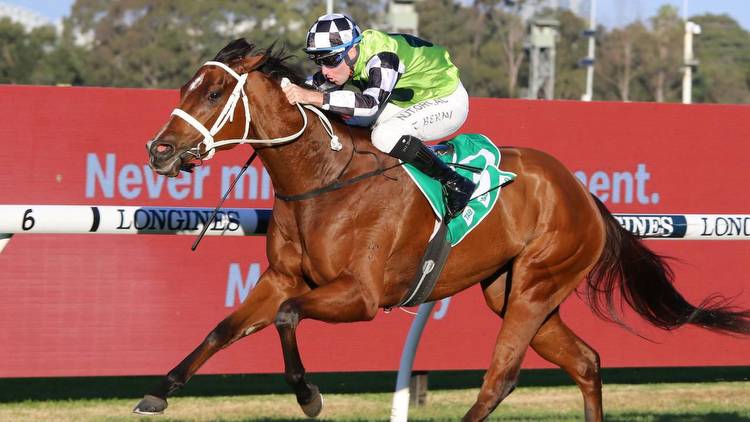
point(73, 305)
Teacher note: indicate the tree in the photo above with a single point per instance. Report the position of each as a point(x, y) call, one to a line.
point(22, 51)
point(723, 49)
point(570, 77)
point(472, 48)
point(512, 34)
point(161, 44)
point(662, 58)
point(485, 39)
point(620, 61)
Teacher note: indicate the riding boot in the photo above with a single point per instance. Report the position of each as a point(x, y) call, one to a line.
point(458, 188)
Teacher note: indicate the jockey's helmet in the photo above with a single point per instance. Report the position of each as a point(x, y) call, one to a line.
point(330, 38)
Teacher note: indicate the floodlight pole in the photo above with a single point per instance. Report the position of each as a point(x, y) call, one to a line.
point(684, 10)
point(690, 62)
point(589, 60)
point(541, 42)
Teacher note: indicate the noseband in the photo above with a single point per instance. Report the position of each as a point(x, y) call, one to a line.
point(209, 144)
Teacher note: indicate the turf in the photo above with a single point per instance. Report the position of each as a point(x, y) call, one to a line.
point(707, 401)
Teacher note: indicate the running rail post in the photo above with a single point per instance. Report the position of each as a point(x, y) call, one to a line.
point(4, 240)
point(400, 407)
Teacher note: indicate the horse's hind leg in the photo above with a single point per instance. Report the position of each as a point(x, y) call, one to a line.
point(254, 314)
point(542, 277)
point(558, 344)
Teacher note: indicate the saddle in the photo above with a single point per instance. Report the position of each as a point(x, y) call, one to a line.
point(477, 158)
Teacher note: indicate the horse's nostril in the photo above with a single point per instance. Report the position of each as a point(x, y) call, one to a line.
point(163, 148)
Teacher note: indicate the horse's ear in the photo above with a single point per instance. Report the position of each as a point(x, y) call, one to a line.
point(251, 63)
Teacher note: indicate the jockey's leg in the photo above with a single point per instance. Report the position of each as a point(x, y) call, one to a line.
point(458, 188)
point(401, 134)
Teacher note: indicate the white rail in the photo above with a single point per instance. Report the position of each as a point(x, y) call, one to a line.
point(96, 219)
point(133, 219)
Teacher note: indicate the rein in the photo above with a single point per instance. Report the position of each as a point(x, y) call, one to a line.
point(227, 115)
point(335, 185)
point(210, 145)
point(338, 184)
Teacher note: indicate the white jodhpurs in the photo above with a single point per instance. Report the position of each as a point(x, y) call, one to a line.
point(428, 120)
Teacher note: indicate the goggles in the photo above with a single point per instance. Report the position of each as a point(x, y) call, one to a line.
point(324, 56)
point(331, 60)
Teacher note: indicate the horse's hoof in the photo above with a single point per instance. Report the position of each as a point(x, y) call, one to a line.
point(150, 405)
point(315, 406)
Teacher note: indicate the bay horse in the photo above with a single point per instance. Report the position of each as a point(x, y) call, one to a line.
point(341, 255)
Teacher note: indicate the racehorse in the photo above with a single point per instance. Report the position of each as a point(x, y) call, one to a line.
point(340, 255)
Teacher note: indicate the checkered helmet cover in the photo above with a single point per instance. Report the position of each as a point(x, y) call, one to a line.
point(331, 34)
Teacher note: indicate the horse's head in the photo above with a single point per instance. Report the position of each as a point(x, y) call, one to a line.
point(209, 101)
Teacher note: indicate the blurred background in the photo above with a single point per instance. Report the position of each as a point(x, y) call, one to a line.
point(604, 50)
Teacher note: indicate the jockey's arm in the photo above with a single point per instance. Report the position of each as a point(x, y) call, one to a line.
point(297, 94)
point(312, 93)
point(321, 83)
point(383, 70)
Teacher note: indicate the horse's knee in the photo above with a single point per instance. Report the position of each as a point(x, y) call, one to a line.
point(288, 315)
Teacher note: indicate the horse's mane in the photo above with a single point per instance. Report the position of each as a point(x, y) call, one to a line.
point(273, 66)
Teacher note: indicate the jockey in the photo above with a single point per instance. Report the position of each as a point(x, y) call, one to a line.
point(411, 93)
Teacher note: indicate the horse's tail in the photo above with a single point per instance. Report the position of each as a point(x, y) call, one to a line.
point(644, 281)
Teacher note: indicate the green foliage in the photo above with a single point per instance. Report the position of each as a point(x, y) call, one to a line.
point(723, 49)
point(22, 52)
point(160, 44)
point(620, 63)
point(484, 40)
point(570, 80)
point(661, 69)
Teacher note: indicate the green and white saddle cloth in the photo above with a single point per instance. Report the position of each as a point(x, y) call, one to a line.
point(473, 150)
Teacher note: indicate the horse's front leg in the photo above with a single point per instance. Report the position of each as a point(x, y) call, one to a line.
point(344, 300)
point(254, 314)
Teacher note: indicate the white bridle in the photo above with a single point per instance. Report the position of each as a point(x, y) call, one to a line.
point(227, 115)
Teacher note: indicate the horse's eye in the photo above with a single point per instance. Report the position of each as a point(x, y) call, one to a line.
point(214, 95)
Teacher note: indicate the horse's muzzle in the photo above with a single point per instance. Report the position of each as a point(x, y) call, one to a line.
point(163, 157)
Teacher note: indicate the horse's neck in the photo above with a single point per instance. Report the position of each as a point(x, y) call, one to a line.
point(300, 165)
